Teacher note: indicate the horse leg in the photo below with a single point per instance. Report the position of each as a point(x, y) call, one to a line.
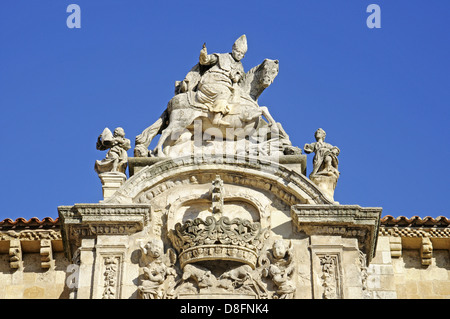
point(164, 135)
point(266, 114)
point(179, 121)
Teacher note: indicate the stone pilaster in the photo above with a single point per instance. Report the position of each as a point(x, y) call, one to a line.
point(101, 233)
point(339, 235)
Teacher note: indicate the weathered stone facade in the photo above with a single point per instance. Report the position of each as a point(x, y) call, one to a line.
point(106, 250)
point(222, 208)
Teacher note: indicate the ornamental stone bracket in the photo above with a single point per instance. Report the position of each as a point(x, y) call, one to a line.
point(417, 234)
point(19, 238)
point(346, 221)
point(87, 221)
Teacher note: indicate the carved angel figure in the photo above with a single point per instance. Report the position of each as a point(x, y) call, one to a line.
point(117, 158)
point(159, 274)
point(281, 269)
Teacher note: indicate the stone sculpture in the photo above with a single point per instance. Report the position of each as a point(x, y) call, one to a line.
point(325, 163)
point(116, 159)
point(214, 239)
point(222, 97)
point(280, 268)
point(159, 274)
point(244, 278)
point(214, 226)
point(217, 194)
point(201, 275)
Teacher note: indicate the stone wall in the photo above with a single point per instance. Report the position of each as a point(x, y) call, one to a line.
point(411, 261)
point(32, 281)
point(32, 259)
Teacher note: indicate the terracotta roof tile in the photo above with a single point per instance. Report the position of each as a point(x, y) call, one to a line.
point(33, 222)
point(415, 221)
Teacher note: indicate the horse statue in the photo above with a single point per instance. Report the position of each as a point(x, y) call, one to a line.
point(180, 113)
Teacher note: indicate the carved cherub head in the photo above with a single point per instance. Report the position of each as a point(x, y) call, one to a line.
point(119, 132)
point(279, 249)
point(154, 248)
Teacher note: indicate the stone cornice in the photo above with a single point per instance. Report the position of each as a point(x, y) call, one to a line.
point(90, 220)
point(415, 232)
point(348, 221)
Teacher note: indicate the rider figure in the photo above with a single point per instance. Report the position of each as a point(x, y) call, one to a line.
point(218, 86)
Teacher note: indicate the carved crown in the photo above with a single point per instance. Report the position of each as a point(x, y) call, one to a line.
point(218, 239)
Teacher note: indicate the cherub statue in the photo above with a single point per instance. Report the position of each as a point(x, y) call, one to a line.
point(117, 158)
point(281, 269)
point(159, 274)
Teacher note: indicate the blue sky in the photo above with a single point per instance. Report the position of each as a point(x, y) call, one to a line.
point(382, 95)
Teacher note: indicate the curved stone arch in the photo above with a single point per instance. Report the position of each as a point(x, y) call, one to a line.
point(283, 182)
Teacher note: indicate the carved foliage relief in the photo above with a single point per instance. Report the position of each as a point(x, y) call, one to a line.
point(111, 277)
point(330, 278)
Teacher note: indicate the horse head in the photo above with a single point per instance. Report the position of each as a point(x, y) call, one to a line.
point(268, 72)
point(260, 77)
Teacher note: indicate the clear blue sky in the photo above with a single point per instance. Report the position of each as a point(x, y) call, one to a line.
point(382, 95)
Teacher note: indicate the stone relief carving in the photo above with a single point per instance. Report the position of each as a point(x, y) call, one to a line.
point(244, 278)
point(30, 235)
point(201, 275)
point(325, 163)
point(330, 277)
point(212, 239)
point(230, 280)
point(279, 266)
point(211, 269)
point(217, 194)
point(159, 272)
point(110, 277)
point(72, 279)
point(116, 159)
point(364, 275)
